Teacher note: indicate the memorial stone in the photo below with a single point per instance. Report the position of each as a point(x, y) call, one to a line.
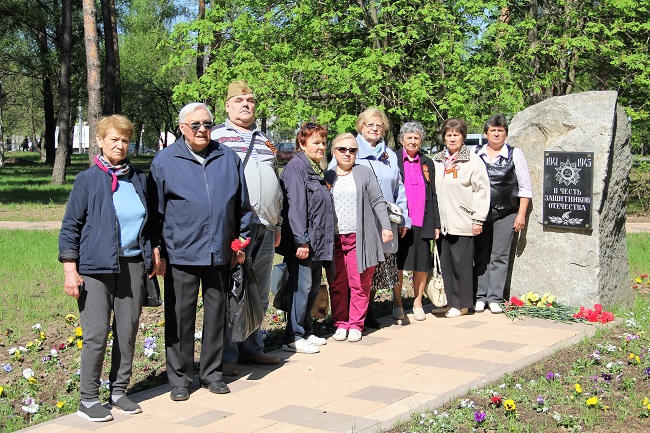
point(580, 262)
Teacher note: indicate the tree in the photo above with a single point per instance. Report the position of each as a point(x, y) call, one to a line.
point(58, 173)
point(93, 67)
point(112, 96)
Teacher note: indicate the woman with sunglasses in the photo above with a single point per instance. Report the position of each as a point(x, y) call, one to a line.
point(307, 235)
point(414, 252)
point(360, 213)
point(375, 154)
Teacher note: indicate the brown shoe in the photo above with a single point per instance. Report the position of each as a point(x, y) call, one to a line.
point(261, 359)
point(230, 369)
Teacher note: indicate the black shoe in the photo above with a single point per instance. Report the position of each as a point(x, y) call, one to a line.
point(371, 321)
point(95, 413)
point(179, 393)
point(126, 405)
point(217, 387)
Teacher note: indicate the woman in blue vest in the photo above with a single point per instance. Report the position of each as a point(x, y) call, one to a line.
point(510, 193)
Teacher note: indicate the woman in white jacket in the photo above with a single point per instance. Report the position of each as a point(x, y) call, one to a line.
point(463, 189)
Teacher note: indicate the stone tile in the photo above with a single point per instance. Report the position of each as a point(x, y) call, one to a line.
point(352, 406)
point(76, 422)
point(381, 394)
point(471, 324)
point(457, 363)
point(369, 340)
point(280, 427)
point(548, 324)
point(239, 424)
point(502, 346)
point(310, 418)
point(361, 362)
point(205, 418)
point(49, 427)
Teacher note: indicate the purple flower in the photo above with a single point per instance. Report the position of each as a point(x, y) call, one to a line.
point(6, 368)
point(46, 358)
point(540, 400)
point(150, 343)
point(479, 417)
point(647, 373)
point(550, 375)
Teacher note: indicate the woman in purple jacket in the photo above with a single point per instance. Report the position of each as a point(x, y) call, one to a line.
point(307, 234)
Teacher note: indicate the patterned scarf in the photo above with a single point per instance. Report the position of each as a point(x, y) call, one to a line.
point(113, 170)
point(316, 166)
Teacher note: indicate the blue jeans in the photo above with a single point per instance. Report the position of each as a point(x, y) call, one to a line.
point(261, 251)
point(304, 285)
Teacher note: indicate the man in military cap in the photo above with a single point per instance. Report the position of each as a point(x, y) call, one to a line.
point(240, 133)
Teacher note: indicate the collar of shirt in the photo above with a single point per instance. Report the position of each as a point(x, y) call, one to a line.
point(503, 153)
point(407, 159)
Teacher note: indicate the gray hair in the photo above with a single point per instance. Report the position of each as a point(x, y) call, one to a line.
point(191, 108)
point(415, 127)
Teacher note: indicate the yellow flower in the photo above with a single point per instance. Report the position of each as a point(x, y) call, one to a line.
point(648, 406)
point(32, 380)
point(545, 296)
point(551, 299)
point(509, 405)
point(60, 404)
point(578, 388)
point(80, 343)
point(631, 356)
point(161, 323)
point(592, 401)
point(78, 331)
point(638, 280)
point(29, 344)
point(110, 335)
point(70, 340)
point(42, 335)
point(70, 318)
point(534, 297)
point(637, 359)
point(646, 401)
point(1, 390)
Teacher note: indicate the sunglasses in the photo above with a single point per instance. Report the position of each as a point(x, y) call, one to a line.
point(374, 126)
point(310, 125)
point(195, 126)
point(352, 150)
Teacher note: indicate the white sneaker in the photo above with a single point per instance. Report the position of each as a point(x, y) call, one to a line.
point(341, 334)
point(316, 341)
point(398, 313)
point(354, 335)
point(300, 346)
point(479, 307)
point(495, 308)
point(455, 312)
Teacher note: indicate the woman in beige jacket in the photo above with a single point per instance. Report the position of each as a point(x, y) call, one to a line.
point(463, 189)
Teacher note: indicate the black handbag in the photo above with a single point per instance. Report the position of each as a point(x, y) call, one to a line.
point(245, 312)
point(152, 298)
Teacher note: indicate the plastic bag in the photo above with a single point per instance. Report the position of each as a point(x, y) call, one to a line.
point(244, 303)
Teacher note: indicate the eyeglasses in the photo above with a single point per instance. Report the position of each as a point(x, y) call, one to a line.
point(352, 150)
point(376, 126)
point(195, 126)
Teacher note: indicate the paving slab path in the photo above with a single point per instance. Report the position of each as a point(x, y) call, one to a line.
point(351, 387)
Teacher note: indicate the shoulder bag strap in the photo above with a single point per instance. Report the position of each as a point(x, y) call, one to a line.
point(250, 149)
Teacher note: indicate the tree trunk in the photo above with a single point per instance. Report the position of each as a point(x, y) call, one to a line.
point(200, 49)
point(58, 173)
point(534, 95)
point(93, 67)
point(48, 96)
point(109, 50)
point(116, 46)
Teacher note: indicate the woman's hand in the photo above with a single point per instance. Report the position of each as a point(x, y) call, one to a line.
point(159, 265)
point(520, 222)
point(237, 257)
point(72, 279)
point(303, 251)
point(386, 236)
point(477, 229)
point(402, 231)
point(437, 233)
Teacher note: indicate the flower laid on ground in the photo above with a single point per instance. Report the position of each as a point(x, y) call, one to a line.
point(479, 416)
point(541, 307)
point(30, 406)
point(595, 315)
point(240, 244)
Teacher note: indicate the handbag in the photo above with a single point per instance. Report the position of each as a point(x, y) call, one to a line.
point(395, 213)
point(435, 289)
point(245, 311)
point(152, 298)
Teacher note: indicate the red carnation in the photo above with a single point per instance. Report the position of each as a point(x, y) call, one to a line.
point(516, 301)
point(240, 244)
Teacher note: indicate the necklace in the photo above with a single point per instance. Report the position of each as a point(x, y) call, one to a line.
point(346, 173)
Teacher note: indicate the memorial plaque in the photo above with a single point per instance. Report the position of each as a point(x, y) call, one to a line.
point(568, 189)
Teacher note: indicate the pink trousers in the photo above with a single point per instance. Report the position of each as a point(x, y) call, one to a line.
point(349, 291)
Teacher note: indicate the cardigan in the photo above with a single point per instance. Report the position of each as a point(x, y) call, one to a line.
point(372, 216)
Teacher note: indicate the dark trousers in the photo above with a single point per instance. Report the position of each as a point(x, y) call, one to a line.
point(456, 263)
point(121, 294)
point(181, 295)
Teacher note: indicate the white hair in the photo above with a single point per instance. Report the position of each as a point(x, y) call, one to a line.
point(191, 108)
